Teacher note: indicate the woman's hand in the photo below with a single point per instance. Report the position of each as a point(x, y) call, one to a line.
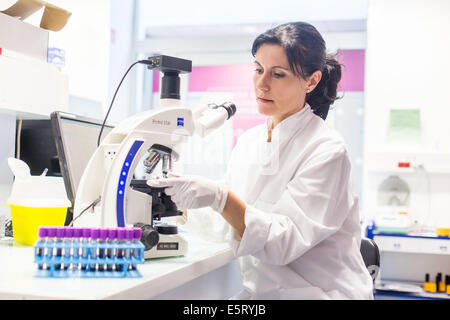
point(192, 192)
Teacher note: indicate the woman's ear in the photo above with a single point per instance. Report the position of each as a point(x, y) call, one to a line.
point(313, 81)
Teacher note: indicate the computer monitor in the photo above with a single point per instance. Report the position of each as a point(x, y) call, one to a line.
point(76, 141)
point(35, 144)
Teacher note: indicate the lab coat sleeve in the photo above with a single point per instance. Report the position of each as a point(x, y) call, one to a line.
point(313, 206)
point(208, 224)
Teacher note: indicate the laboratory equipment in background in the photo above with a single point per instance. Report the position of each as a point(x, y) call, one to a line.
point(35, 145)
point(111, 194)
point(35, 201)
point(62, 145)
point(67, 252)
point(393, 206)
point(75, 138)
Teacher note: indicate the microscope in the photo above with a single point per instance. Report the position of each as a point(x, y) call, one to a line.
point(110, 194)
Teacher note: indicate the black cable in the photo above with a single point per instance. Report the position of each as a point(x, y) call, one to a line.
point(92, 205)
point(114, 97)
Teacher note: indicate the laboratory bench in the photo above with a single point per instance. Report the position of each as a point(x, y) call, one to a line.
point(207, 271)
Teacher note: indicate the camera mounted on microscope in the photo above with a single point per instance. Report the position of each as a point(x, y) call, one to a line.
point(171, 67)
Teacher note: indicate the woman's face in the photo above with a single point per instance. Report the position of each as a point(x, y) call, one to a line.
point(279, 92)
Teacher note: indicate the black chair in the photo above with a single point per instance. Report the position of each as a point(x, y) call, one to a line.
point(371, 256)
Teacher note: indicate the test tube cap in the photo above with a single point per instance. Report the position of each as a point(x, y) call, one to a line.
point(129, 234)
point(112, 233)
point(51, 232)
point(77, 232)
point(68, 232)
point(43, 231)
point(86, 232)
point(137, 233)
point(103, 233)
point(60, 232)
point(120, 233)
point(95, 233)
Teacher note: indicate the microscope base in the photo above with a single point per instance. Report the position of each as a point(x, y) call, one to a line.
point(168, 246)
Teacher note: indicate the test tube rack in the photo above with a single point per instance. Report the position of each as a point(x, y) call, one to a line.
point(67, 252)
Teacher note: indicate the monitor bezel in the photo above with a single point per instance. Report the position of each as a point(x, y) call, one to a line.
point(56, 119)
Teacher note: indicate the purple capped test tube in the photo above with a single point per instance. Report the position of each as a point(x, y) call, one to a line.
point(93, 248)
point(40, 243)
point(51, 233)
point(111, 252)
point(129, 235)
point(68, 235)
point(137, 233)
point(101, 249)
point(76, 245)
point(120, 242)
point(86, 235)
point(59, 244)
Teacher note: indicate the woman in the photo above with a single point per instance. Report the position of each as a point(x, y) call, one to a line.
point(288, 194)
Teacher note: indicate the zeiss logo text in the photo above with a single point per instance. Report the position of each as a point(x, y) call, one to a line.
point(180, 122)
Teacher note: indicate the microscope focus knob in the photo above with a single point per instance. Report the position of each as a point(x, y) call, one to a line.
point(167, 229)
point(150, 237)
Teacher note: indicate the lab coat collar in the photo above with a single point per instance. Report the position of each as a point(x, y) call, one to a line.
point(289, 126)
point(281, 135)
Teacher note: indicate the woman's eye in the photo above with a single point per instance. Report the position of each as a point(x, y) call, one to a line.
point(278, 75)
point(258, 71)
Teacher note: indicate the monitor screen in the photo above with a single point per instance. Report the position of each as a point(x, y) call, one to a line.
point(76, 141)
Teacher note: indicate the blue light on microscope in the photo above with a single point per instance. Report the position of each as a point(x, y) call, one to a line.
point(120, 201)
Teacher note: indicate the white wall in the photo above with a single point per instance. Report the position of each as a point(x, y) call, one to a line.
point(85, 40)
point(211, 50)
point(206, 12)
point(407, 66)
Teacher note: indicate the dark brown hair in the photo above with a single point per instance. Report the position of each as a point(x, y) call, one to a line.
point(306, 53)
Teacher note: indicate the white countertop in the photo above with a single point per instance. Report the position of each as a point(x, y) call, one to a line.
point(17, 271)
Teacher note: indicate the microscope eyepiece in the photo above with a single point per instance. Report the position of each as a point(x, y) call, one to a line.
point(230, 107)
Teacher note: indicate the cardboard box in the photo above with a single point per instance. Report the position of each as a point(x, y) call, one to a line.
point(23, 37)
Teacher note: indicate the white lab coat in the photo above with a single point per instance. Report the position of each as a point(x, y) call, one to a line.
point(302, 236)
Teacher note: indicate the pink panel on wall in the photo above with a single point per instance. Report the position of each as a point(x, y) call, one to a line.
point(226, 78)
point(156, 81)
point(237, 79)
point(353, 70)
point(231, 78)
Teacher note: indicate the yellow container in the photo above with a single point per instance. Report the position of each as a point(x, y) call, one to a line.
point(443, 232)
point(26, 221)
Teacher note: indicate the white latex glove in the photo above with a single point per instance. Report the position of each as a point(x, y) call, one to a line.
point(193, 192)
